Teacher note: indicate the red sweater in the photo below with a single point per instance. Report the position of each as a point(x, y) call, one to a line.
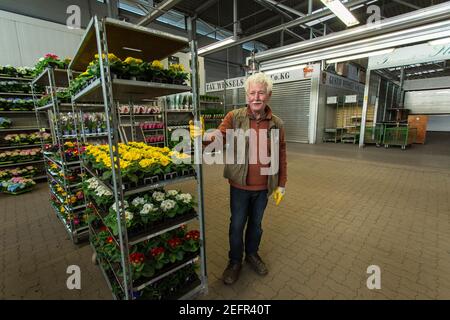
point(256, 181)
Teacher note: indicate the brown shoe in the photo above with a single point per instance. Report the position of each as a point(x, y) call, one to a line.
point(231, 273)
point(258, 265)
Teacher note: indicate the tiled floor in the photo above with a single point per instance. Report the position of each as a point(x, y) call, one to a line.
point(339, 217)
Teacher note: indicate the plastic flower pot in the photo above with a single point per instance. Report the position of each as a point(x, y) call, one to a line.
point(151, 180)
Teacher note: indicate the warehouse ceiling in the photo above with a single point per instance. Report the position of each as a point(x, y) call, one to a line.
point(259, 15)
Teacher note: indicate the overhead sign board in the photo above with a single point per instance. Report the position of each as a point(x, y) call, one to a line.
point(421, 53)
point(277, 77)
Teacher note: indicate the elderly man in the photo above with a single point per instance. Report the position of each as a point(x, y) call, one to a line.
point(250, 183)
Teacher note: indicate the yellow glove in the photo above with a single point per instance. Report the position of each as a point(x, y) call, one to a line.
point(196, 131)
point(278, 195)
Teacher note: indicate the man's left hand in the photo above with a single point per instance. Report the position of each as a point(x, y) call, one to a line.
point(278, 195)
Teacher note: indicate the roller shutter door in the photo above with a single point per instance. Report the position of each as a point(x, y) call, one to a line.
point(290, 101)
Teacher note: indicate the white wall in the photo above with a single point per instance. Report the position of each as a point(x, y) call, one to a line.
point(23, 40)
point(438, 123)
point(428, 101)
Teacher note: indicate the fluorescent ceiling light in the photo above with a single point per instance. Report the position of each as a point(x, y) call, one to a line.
point(285, 69)
point(341, 12)
point(362, 55)
point(216, 45)
point(439, 41)
point(132, 49)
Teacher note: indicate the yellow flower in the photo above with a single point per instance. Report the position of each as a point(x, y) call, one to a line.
point(157, 65)
point(145, 163)
point(69, 144)
point(177, 67)
point(124, 164)
point(130, 60)
point(165, 161)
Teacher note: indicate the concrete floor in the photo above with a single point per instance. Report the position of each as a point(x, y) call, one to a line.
point(345, 209)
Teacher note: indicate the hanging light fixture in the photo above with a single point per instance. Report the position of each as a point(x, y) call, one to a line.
point(341, 12)
point(216, 45)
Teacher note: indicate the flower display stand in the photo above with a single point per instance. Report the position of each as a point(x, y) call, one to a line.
point(138, 231)
point(63, 165)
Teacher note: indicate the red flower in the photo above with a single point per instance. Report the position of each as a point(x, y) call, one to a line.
point(194, 235)
point(110, 240)
point(174, 242)
point(76, 221)
point(103, 228)
point(51, 56)
point(157, 251)
point(137, 258)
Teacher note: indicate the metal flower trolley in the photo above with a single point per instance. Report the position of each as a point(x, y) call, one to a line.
point(61, 158)
point(160, 259)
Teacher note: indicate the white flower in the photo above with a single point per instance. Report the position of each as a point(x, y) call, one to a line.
point(158, 196)
point(172, 193)
point(148, 207)
point(93, 183)
point(138, 201)
point(184, 197)
point(41, 59)
point(167, 205)
point(125, 205)
point(101, 191)
point(128, 215)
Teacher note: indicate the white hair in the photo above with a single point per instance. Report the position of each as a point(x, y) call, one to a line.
point(260, 78)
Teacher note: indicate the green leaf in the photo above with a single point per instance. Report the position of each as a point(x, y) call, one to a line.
point(106, 175)
point(133, 177)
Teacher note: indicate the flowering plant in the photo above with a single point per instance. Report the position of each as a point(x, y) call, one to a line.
point(102, 196)
point(24, 172)
point(49, 60)
point(17, 184)
point(192, 241)
point(137, 161)
point(133, 66)
point(5, 123)
point(177, 74)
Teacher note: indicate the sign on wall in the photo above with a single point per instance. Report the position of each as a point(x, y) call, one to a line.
point(277, 77)
point(339, 82)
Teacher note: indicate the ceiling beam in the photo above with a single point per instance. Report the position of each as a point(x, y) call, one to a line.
point(274, 8)
point(289, 24)
point(205, 6)
point(407, 4)
point(293, 34)
point(158, 11)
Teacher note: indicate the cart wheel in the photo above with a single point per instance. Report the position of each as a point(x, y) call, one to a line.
point(386, 146)
point(378, 145)
point(403, 147)
point(94, 259)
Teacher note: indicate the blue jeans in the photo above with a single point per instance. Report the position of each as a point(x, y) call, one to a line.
point(247, 207)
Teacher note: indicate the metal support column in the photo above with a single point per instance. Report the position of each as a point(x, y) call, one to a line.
point(364, 110)
point(113, 142)
point(195, 82)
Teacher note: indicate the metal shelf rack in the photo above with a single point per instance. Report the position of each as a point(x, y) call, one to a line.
point(54, 79)
point(109, 35)
point(23, 121)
